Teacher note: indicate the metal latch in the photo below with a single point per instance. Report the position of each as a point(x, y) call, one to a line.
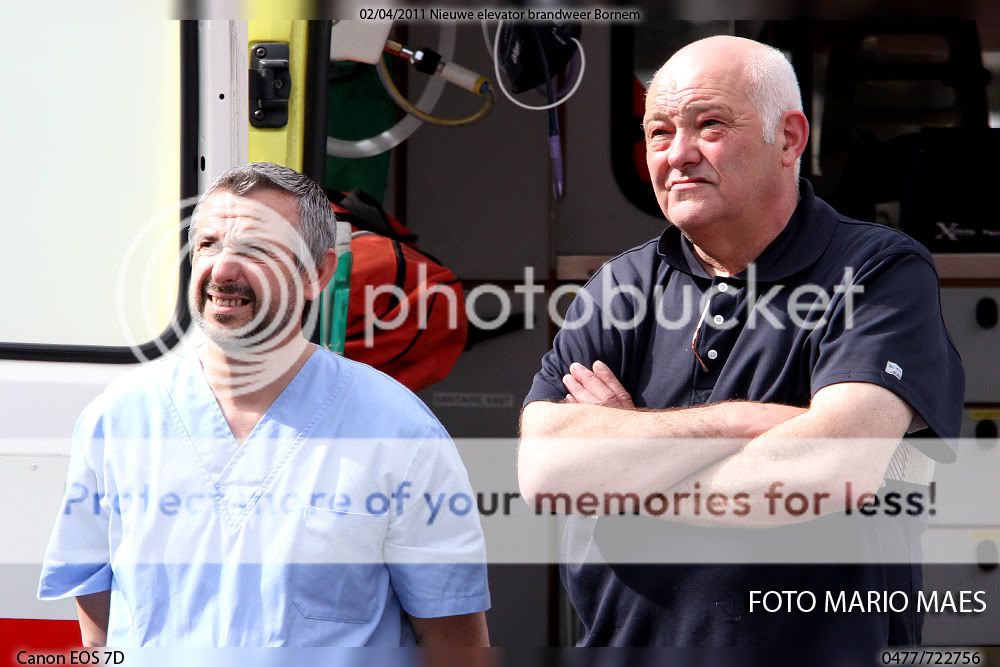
point(270, 84)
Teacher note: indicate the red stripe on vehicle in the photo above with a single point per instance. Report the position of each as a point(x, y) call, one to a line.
point(36, 635)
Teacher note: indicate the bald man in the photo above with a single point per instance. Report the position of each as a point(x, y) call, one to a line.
point(760, 322)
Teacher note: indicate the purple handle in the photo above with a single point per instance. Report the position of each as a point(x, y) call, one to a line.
point(555, 156)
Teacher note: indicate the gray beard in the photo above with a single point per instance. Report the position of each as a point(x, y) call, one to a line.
point(242, 341)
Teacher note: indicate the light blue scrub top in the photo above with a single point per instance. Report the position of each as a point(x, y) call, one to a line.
point(314, 532)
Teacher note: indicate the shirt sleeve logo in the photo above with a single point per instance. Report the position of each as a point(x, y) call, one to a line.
point(894, 369)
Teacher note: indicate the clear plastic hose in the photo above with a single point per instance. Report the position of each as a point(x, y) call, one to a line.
point(402, 130)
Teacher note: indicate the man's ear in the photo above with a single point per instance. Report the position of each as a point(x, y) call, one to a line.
point(794, 136)
point(324, 273)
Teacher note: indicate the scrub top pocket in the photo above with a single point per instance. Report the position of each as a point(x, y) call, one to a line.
point(338, 570)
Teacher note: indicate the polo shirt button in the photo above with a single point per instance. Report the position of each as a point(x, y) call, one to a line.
point(723, 287)
point(712, 354)
point(718, 319)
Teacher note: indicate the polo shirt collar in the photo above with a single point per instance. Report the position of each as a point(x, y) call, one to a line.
point(799, 245)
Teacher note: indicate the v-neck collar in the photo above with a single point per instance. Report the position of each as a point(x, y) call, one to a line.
point(220, 418)
point(239, 474)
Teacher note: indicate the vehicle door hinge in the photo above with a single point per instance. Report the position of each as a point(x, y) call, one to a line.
point(270, 84)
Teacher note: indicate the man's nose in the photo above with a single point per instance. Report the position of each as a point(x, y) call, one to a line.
point(227, 266)
point(683, 151)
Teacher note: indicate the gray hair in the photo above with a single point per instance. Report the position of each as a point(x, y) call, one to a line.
point(772, 86)
point(317, 223)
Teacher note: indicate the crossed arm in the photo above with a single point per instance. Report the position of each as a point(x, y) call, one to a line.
point(849, 433)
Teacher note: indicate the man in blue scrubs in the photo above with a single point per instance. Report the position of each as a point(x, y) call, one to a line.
point(763, 338)
point(256, 490)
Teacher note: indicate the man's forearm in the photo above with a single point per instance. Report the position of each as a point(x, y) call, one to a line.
point(849, 438)
point(574, 448)
point(93, 611)
point(465, 630)
point(749, 488)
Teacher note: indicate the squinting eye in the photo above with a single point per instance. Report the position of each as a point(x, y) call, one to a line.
point(259, 251)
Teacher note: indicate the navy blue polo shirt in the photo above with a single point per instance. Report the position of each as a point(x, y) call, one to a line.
point(830, 300)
